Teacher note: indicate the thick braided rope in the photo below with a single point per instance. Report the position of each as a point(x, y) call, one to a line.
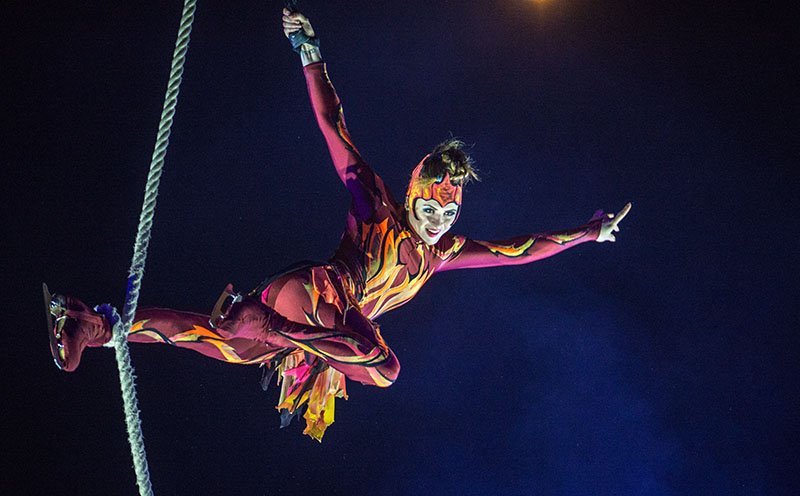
point(126, 376)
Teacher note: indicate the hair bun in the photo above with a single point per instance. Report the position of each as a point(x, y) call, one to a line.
point(449, 158)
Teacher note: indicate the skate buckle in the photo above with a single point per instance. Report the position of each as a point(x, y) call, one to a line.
point(224, 303)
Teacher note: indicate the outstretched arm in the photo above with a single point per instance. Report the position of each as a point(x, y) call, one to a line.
point(471, 254)
point(364, 185)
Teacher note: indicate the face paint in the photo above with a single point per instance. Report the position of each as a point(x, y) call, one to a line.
point(433, 205)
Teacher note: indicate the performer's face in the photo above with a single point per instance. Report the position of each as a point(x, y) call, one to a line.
point(430, 220)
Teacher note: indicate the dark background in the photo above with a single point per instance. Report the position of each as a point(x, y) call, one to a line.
point(664, 364)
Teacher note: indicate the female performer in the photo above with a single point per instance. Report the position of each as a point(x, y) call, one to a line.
point(315, 323)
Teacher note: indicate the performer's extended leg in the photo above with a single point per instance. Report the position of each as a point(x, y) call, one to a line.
point(251, 333)
point(77, 326)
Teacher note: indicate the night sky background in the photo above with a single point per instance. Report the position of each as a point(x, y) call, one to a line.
point(663, 364)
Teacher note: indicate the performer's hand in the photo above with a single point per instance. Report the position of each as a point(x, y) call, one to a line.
point(295, 21)
point(610, 224)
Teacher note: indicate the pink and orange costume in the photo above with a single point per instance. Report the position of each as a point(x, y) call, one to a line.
point(328, 331)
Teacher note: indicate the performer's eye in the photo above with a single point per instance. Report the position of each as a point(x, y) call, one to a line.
point(427, 210)
point(450, 213)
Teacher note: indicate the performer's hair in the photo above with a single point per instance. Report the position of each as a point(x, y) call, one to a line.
point(449, 157)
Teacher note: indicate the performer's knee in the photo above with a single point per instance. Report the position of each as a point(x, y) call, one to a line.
point(385, 374)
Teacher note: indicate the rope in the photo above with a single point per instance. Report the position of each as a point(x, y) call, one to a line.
point(136, 272)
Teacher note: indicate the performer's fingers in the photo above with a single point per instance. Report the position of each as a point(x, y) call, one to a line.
point(622, 213)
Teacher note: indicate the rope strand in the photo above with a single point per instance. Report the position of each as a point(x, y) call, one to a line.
point(136, 272)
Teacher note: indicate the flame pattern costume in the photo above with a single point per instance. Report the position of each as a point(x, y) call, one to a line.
point(380, 265)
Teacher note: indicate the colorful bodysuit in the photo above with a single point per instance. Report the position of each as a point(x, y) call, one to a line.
point(380, 265)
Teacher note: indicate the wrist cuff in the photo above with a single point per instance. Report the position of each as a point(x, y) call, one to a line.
point(299, 38)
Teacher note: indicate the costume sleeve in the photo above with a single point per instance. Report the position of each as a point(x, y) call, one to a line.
point(471, 254)
point(364, 185)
